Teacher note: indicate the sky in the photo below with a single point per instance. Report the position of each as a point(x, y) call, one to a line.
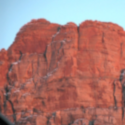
point(15, 13)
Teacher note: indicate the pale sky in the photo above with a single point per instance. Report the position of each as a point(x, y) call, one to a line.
point(15, 13)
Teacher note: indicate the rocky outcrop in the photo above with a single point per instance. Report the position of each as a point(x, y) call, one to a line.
point(64, 75)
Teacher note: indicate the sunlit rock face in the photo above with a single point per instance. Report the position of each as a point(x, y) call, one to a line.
point(64, 74)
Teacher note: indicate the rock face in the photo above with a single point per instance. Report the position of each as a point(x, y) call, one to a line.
point(64, 75)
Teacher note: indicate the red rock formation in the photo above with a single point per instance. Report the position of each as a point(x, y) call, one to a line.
point(64, 75)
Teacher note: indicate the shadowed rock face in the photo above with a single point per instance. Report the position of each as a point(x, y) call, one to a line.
point(64, 74)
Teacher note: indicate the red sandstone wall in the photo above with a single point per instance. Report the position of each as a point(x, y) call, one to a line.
point(64, 75)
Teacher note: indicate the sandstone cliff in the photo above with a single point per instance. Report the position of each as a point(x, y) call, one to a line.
point(64, 74)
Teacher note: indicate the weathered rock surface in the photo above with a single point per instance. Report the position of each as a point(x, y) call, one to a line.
point(64, 75)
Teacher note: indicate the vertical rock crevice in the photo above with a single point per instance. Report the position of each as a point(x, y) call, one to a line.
point(48, 53)
point(103, 38)
point(44, 54)
point(122, 80)
point(115, 101)
point(7, 92)
point(78, 36)
point(121, 53)
point(91, 122)
point(104, 51)
point(14, 112)
point(21, 54)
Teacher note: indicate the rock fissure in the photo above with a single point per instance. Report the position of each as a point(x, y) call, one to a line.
point(91, 122)
point(123, 100)
point(78, 33)
point(122, 80)
point(38, 65)
point(21, 54)
point(115, 101)
point(10, 68)
point(7, 90)
point(121, 53)
point(14, 112)
point(103, 37)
